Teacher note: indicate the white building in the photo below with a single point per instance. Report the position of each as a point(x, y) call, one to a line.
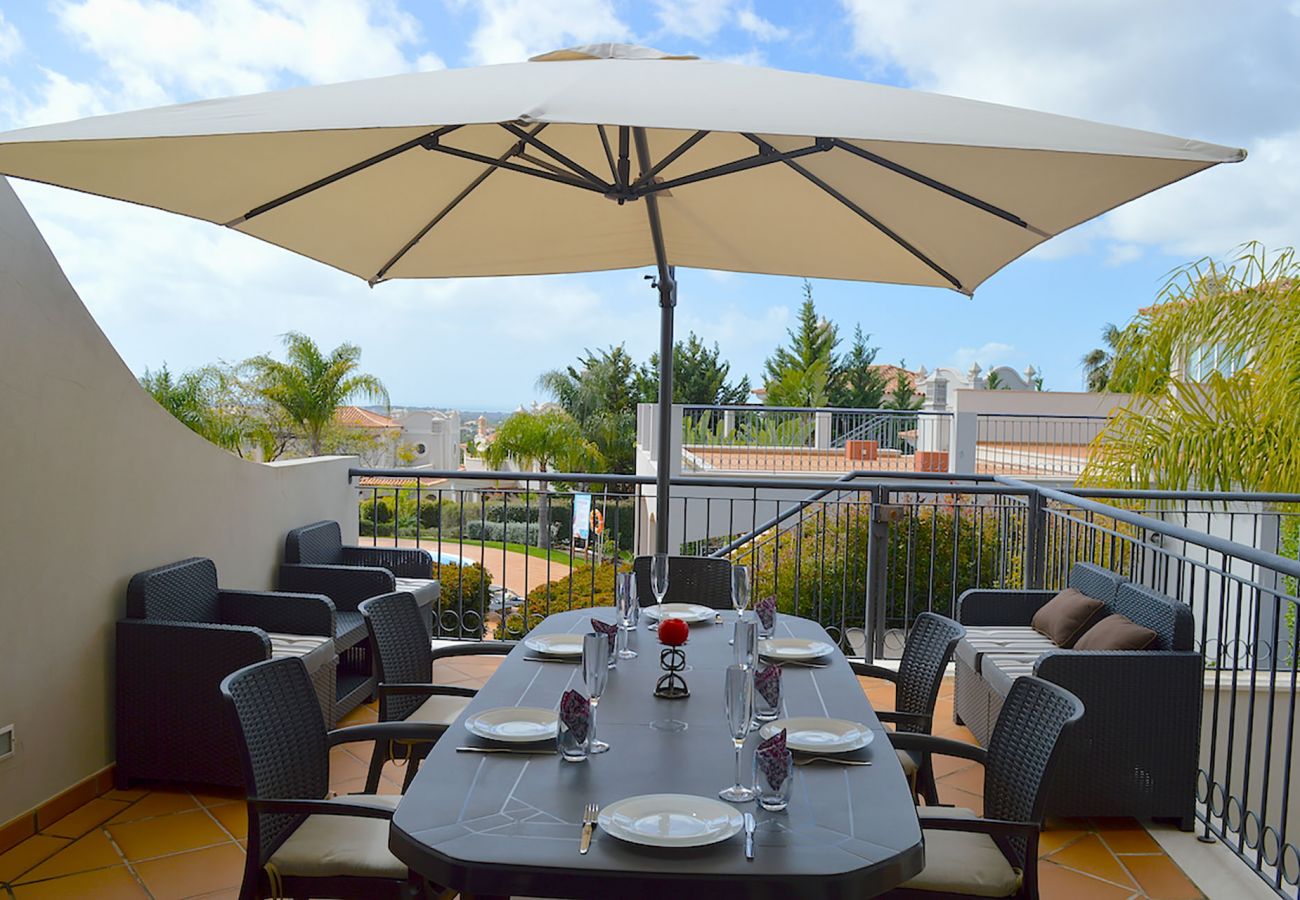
point(433, 436)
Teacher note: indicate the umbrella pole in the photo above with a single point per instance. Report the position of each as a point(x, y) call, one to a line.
point(663, 433)
point(667, 286)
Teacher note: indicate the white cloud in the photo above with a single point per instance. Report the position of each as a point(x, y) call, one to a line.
point(698, 19)
point(1187, 67)
point(155, 49)
point(513, 30)
point(759, 27)
point(10, 40)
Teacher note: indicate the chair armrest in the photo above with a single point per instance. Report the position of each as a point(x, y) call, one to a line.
point(320, 808)
point(866, 670)
point(428, 690)
point(475, 648)
point(926, 743)
point(347, 586)
point(386, 731)
point(183, 647)
point(991, 827)
point(404, 562)
point(981, 606)
point(920, 721)
point(282, 612)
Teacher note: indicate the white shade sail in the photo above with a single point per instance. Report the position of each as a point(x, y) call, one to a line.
point(545, 167)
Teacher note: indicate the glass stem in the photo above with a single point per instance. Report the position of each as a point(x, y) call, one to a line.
point(739, 746)
point(591, 726)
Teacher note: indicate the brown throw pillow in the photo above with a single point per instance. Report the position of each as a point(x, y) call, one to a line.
point(1067, 616)
point(1116, 633)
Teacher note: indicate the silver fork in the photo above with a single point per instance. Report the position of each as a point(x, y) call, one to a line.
point(589, 815)
point(808, 760)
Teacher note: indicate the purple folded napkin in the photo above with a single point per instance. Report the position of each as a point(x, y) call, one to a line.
point(575, 713)
point(767, 681)
point(609, 631)
point(766, 609)
point(774, 760)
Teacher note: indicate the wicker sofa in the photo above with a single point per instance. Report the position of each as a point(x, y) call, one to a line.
point(1135, 752)
point(181, 636)
point(317, 561)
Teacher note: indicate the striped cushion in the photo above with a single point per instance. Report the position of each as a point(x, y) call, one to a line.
point(1004, 640)
point(1000, 671)
point(314, 650)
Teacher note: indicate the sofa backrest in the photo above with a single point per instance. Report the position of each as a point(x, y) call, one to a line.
point(317, 544)
point(1098, 583)
point(1171, 621)
point(184, 591)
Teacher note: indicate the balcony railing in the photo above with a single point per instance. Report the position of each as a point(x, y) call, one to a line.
point(865, 554)
point(749, 440)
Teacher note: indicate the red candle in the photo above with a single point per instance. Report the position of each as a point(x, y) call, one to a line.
point(673, 632)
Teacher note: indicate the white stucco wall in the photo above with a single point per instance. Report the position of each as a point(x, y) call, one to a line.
point(78, 521)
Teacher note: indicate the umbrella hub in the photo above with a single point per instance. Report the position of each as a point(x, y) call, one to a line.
point(608, 51)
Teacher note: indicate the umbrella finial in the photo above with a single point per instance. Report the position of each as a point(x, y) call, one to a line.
point(607, 51)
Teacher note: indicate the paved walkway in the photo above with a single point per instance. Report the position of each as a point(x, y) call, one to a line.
point(517, 571)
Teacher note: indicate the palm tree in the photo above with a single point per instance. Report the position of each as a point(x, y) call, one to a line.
point(1237, 427)
point(542, 440)
point(1097, 363)
point(309, 386)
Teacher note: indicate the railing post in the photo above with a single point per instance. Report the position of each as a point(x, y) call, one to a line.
point(882, 516)
point(964, 443)
point(1035, 541)
point(728, 422)
point(822, 435)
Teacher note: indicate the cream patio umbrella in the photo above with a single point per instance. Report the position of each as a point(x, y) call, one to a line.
point(613, 157)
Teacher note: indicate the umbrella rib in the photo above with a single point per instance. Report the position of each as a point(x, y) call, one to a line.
point(515, 149)
point(513, 167)
point(937, 185)
point(609, 154)
point(671, 158)
point(562, 159)
point(766, 157)
point(862, 213)
point(340, 174)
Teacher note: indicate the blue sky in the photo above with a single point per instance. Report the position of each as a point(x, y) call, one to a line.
point(169, 290)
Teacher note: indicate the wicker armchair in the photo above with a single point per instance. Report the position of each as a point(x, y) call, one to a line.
point(316, 560)
point(301, 844)
point(691, 579)
point(404, 663)
point(996, 855)
point(926, 655)
point(181, 636)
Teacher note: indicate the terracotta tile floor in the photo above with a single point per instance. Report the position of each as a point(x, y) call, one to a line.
point(170, 842)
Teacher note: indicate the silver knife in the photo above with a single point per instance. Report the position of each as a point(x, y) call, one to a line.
point(749, 836)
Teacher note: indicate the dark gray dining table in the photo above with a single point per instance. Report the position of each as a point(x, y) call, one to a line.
point(503, 825)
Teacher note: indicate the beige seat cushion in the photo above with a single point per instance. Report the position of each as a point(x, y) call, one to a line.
point(911, 763)
point(314, 650)
point(439, 709)
point(1019, 640)
point(328, 846)
point(962, 863)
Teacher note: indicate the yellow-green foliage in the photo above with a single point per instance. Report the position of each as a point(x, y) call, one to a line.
point(462, 586)
point(585, 586)
point(1233, 430)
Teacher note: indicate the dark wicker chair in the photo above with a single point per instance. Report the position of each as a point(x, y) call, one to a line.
point(1130, 773)
point(996, 855)
point(404, 664)
point(299, 843)
point(691, 579)
point(182, 635)
point(316, 560)
point(926, 655)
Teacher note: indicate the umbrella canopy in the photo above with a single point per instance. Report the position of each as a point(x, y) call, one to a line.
point(609, 157)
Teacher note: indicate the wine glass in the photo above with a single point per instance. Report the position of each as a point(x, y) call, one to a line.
point(625, 597)
point(740, 716)
point(595, 675)
point(659, 578)
point(739, 591)
point(745, 643)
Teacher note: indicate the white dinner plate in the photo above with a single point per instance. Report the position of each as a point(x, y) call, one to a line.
point(793, 648)
point(513, 724)
point(814, 734)
point(555, 644)
point(671, 820)
point(687, 612)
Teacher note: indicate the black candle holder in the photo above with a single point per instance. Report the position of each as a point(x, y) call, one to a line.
point(672, 686)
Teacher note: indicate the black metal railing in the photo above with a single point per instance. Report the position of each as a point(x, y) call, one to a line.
point(865, 554)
